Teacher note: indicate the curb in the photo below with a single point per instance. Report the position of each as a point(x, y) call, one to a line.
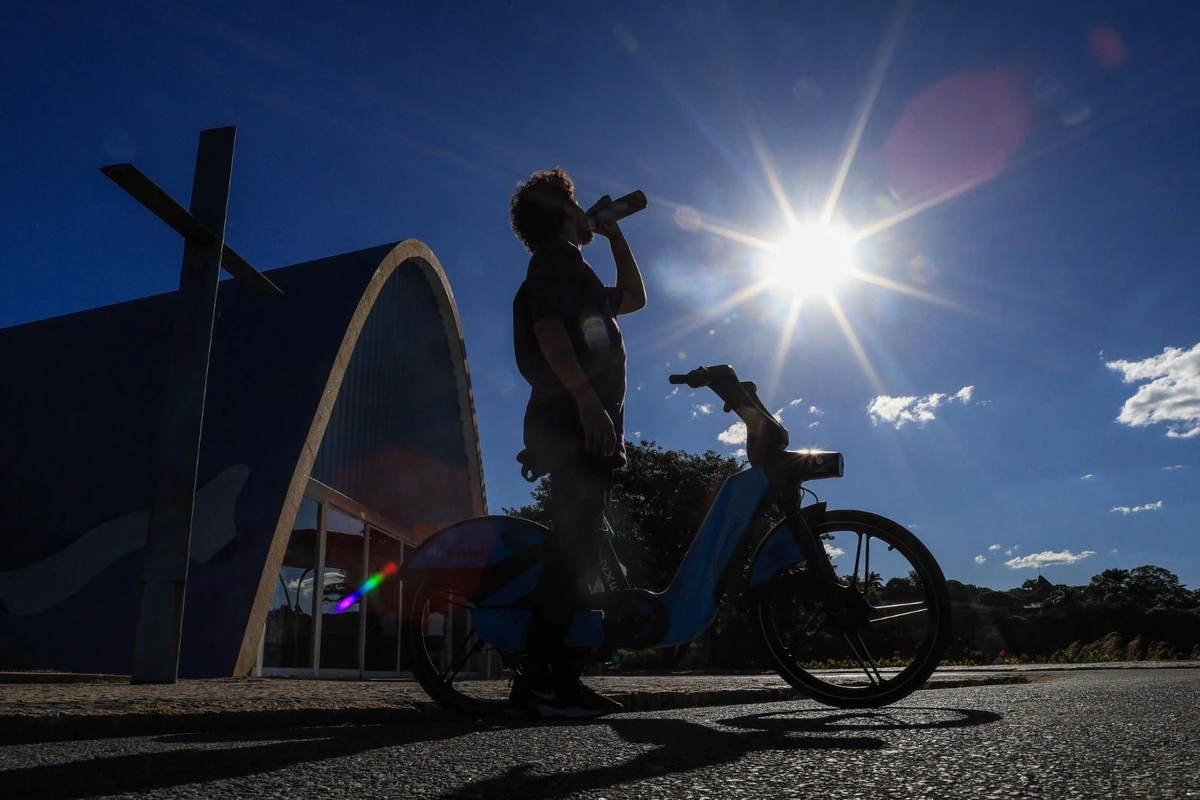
point(31, 729)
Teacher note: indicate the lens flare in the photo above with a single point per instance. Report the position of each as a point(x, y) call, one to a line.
point(368, 585)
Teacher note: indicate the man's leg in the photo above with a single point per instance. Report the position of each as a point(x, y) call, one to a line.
point(579, 494)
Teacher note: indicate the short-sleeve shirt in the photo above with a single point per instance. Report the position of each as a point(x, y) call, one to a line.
point(559, 282)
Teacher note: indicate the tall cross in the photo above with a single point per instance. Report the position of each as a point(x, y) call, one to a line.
point(205, 253)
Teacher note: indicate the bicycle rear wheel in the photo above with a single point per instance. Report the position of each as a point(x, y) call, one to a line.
point(454, 666)
point(895, 628)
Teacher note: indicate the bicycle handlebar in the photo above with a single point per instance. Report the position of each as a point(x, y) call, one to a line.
point(704, 376)
point(691, 378)
point(741, 397)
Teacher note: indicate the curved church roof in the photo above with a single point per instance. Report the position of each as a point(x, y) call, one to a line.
point(357, 376)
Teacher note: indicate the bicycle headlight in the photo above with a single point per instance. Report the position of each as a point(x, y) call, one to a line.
point(813, 465)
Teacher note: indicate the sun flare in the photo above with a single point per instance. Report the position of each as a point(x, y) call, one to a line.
point(812, 260)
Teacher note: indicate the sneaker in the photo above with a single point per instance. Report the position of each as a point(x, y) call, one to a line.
point(527, 693)
point(576, 701)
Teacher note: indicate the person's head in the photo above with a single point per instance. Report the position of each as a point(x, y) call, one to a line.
point(544, 208)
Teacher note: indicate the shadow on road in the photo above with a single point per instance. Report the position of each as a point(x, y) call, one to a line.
point(680, 747)
point(892, 719)
point(677, 746)
point(264, 751)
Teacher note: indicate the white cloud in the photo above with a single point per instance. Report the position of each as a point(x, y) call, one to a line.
point(995, 547)
point(734, 434)
point(901, 410)
point(814, 424)
point(1136, 509)
point(740, 452)
point(1016, 547)
point(1008, 552)
point(1047, 559)
point(1172, 396)
point(912, 526)
point(1114, 551)
point(834, 552)
point(702, 409)
point(637, 434)
point(816, 411)
point(674, 392)
point(1089, 476)
point(980, 559)
point(1176, 466)
point(796, 402)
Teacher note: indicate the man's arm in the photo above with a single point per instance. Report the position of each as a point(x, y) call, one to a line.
point(629, 277)
point(600, 437)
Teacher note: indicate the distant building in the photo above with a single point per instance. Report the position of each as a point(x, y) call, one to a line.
point(339, 431)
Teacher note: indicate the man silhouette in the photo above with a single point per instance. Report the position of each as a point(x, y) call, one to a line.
point(570, 350)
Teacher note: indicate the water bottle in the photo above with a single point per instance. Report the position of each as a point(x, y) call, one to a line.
point(620, 208)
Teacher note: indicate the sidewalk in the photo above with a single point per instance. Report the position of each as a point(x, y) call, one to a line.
point(40, 707)
point(54, 708)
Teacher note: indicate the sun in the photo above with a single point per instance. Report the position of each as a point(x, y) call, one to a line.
point(812, 260)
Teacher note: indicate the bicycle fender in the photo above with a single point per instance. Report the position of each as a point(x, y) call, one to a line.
point(493, 560)
point(778, 550)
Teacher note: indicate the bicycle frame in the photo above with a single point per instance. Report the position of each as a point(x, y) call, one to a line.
point(495, 562)
point(505, 548)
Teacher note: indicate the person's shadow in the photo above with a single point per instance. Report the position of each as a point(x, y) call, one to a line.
point(263, 752)
point(683, 746)
point(679, 746)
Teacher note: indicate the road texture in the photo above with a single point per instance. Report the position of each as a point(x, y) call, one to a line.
point(1103, 734)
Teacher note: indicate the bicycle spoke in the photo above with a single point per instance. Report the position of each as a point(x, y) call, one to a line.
point(867, 569)
point(873, 674)
point(891, 617)
point(859, 659)
point(460, 658)
point(790, 649)
point(857, 555)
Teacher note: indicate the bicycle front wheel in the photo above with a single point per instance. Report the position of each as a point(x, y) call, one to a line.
point(886, 634)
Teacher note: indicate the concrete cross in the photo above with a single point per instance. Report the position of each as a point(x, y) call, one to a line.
point(205, 253)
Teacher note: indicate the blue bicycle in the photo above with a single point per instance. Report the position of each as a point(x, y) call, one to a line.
point(849, 607)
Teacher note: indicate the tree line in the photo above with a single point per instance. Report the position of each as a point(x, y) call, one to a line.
point(659, 501)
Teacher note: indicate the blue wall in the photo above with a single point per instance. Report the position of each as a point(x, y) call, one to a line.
point(81, 409)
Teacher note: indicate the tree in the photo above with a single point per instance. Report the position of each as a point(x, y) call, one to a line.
point(1151, 586)
point(1110, 586)
point(1064, 597)
point(991, 599)
point(900, 589)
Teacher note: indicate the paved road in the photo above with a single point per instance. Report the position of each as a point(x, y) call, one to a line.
point(1114, 734)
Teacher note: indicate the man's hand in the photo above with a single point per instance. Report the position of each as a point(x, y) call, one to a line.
point(606, 226)
point(599, 436)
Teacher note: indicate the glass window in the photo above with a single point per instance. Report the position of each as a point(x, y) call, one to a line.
point(287, 640)
point(343, 576)
point(383, 602)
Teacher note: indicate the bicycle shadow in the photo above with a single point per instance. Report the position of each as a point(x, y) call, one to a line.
point(682, 746)
point(677, 746)
point(908, 718)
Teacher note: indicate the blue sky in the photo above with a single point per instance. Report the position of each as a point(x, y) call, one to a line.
point(1014, 371)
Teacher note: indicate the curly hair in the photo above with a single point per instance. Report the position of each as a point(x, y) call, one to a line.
point(537, 207)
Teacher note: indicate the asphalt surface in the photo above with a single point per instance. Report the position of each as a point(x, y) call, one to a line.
point(1103, 734)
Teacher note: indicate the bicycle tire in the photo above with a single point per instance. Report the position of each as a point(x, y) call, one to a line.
point(926, 656)
point(437, 683)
